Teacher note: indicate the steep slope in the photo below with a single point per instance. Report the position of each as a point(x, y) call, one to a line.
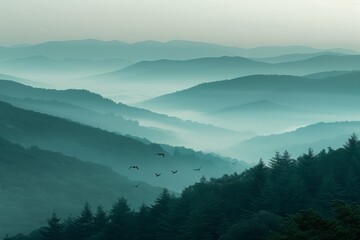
point(34, 182)
point(106, 121)
point(187, 133)
point(119, 152)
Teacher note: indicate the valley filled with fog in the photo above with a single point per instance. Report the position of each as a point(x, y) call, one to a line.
point(203, 96)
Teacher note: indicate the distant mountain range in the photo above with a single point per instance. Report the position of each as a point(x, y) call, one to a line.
point(116, 151)
point(149, 50)
point(201, 70)
point(50, 181)
point(317, 136)
point(134, 72)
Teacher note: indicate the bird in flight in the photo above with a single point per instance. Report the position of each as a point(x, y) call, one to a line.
point(134, 167)
point(234, 162)
point(197, 169)
point(174, 172)
point(137, 185)
point(160, 154)
point(157, 174)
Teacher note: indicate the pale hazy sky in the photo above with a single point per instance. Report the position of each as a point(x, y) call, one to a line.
point(244, 23)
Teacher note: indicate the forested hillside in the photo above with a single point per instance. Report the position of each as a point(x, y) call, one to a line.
point(34, 182)
point(254, 204)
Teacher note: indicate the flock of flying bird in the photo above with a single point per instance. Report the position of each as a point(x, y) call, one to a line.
point(158, 174)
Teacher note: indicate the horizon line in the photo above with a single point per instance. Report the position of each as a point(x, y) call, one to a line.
point(25, 44)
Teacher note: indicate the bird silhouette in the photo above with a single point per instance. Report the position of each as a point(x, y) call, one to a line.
point(134, 167)
point(234, 162)
point(197, 169)
point(173, 172)
point(160, 154)
point(137, 185)
point(157, 174)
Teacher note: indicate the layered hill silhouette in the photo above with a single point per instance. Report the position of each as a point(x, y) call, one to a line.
point(106, 121)
point(92, 109)
point(116, 151)
point(149, 50)
point(49, 181)
point(302, 100)
point(218, 95)
point(210, 69)
point(186, 70)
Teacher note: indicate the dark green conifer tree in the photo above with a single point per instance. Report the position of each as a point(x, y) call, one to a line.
point(83, 226)
point(120, 221)
point(142, 224)
point(100, 220)
point(307, 166)
point(54, 230)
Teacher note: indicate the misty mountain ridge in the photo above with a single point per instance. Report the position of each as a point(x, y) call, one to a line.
point(92, 64)
point(196, 71)
point(104, 113)
point(106, 121)
point(308, 100)
point(253, 88)
point(183, 69)
point(107, 148)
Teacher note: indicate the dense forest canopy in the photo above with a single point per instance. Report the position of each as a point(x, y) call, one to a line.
point(266, 201)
